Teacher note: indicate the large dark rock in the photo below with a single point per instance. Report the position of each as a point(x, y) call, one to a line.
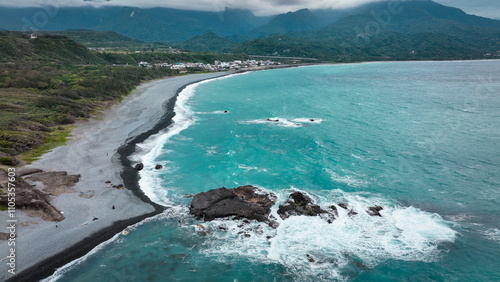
point(242, 202)
point(299, 204)
point(139, 166)
point(158, 166)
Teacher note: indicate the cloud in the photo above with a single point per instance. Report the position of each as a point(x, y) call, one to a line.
point(259, 7)
point(488, 8)
point(484, 8)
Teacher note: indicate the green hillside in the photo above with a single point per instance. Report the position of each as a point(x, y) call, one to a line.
point(47, 83)
point(420, 30)
point(206, 42)
point(15, 46)
point(96, 39)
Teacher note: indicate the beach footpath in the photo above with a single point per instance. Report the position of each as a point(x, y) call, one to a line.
point(85, 179)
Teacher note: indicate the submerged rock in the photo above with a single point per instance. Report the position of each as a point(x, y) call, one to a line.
point(351, 213)
point(343, 205)
point(242, 202)
point(310, 258)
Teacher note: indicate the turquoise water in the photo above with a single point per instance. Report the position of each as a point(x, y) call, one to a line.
point(419, 138)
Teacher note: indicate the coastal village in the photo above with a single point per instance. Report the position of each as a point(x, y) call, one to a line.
point(216, 66)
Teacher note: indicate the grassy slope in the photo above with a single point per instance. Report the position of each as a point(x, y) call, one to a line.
point(46, 84)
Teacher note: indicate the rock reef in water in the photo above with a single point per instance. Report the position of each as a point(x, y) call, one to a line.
point(251, 203)
point(242, 202)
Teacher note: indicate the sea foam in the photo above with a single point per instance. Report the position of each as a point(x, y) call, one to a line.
point(311, 247)
point(150, 181)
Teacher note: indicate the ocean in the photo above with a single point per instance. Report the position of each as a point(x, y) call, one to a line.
point(419, 139)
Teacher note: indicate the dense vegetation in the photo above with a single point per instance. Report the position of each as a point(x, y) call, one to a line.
point(49, 82)
point(103, 39)
point(419, 30)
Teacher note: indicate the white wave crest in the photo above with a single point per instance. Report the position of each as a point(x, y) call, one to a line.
point(311, 247)
point(283, 122)
point(350, 178)
point(150, 182)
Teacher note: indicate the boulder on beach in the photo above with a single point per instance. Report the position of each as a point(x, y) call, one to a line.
point(139, 166)
point(242, 202)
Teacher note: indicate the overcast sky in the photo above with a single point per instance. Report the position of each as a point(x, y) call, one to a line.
point(486, 8)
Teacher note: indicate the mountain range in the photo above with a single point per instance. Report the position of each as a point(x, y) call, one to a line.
point(413, 29)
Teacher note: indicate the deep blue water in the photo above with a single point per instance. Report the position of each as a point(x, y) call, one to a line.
point(418, 138)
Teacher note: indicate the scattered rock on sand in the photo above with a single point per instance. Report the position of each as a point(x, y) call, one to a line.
point(139, 166)
point(5, 236)
point(89, 194)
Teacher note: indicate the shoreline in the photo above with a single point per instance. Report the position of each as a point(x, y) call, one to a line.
point(128, 174)
point(43, 268)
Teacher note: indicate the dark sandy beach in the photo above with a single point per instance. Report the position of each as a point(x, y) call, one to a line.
point(98, 150)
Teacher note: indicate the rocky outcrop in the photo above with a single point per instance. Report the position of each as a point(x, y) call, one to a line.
point(299, 204)
point(375, 210)
point(158, 166)
point(55, 182)
point(23, 171)
point(251, 203)
point(33, 201)
point(242, 202)
point(346, 207)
